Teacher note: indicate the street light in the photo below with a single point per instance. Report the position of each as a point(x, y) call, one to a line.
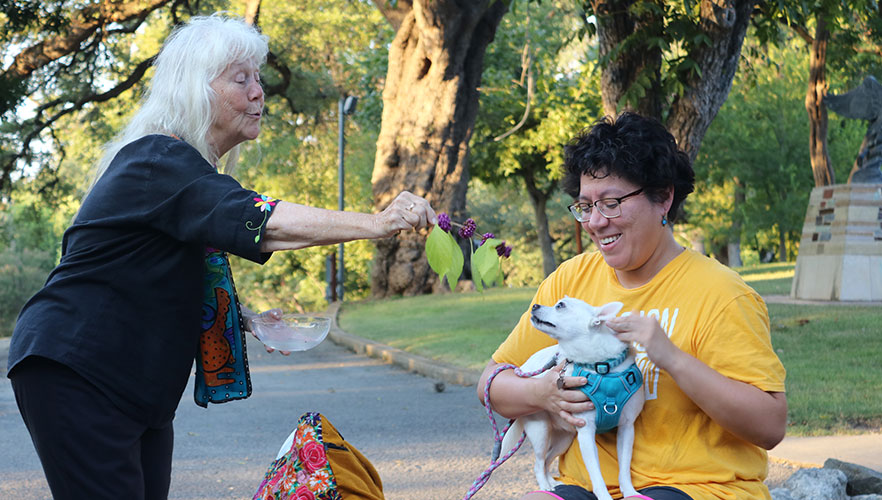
point(346, 106)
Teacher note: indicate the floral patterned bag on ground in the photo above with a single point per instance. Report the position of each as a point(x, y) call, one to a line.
point(316, 463)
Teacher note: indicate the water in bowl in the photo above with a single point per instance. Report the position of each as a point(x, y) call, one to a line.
point(294, 332)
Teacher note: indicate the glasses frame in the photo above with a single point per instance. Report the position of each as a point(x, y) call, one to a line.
point(586, 212)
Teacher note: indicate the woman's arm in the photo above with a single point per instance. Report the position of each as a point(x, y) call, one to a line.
point(292, 226)
point(512, 396)
point(750, 413)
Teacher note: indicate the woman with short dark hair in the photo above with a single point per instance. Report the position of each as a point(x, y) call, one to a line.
point(714, 386)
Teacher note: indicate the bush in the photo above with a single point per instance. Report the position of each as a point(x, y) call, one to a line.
point(22, 273)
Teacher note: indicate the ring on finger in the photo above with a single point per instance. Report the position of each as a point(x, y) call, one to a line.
point(560, 380)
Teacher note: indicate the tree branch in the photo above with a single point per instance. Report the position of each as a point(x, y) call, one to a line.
point(85, 22)
point(9, 160)
point(394, 14)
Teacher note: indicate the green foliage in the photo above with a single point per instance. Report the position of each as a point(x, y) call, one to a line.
point(486, 268)
point(444, 256)
point(758, 143)
point(547, 40)
point(22, 273)
point(566, 97)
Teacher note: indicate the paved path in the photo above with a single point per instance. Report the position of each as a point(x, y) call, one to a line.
point(426, 445)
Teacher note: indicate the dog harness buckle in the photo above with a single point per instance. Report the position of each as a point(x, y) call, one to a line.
point(601, 368)
point(615, 407)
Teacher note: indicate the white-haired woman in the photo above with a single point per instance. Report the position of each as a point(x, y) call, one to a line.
point(101, 355)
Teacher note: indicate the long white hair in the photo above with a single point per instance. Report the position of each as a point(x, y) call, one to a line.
point(179, 100)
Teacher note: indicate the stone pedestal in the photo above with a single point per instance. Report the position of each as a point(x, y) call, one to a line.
point(840, 253)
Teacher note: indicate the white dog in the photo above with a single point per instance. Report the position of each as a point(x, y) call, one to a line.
point(589, 346)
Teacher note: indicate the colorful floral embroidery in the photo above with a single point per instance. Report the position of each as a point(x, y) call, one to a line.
point(303, 472)
point(265, 204)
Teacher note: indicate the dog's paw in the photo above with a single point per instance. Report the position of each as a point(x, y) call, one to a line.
point(629, 492)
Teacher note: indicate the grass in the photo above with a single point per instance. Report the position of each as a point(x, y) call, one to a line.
point(769, 279)
point(461, 329)
point(834, 378)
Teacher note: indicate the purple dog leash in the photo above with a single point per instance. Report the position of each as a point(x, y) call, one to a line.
point(496, 460)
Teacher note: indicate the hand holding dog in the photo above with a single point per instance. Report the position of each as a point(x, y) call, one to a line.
point(559, 399)
point(646, 331)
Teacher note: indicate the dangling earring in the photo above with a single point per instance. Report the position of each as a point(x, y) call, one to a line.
point(664, 221)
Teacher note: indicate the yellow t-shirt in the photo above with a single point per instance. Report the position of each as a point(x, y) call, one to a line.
point(707, 311)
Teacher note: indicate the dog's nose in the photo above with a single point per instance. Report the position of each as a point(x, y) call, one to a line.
point(535, 306)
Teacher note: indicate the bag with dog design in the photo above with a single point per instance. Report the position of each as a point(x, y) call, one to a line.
point(317, 463)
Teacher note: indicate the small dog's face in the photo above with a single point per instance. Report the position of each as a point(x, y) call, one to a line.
point(571, 318)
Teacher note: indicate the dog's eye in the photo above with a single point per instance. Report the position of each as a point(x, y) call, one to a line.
point(559, 305)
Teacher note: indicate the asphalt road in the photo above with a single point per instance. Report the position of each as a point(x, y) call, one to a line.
point(425, 444)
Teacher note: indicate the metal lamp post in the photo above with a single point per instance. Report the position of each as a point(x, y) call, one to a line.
point(346, 106)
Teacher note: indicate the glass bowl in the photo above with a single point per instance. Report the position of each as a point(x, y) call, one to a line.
point(294, 332)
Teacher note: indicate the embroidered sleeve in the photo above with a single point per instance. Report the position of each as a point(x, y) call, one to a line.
point(265, 204)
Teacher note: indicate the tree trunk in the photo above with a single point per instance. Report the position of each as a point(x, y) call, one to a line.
point(782, 244)
point(614, 25)
point(817, 111)
point(429, 106)
point(857, 165)
point(539, 200)
point(734, 243)
point(725, 24)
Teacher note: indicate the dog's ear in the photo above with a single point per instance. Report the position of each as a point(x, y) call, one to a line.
point(609, 311)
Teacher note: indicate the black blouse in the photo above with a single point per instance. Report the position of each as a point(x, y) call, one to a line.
point(123, 307)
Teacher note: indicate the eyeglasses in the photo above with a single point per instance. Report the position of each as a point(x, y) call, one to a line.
point(608, 207)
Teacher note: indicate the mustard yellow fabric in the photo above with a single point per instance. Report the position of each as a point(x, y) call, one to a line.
point(707, 311)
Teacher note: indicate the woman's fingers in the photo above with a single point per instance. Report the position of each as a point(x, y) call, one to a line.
point(413, 211)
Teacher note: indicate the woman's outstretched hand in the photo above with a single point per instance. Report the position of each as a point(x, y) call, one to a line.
point(406, 212)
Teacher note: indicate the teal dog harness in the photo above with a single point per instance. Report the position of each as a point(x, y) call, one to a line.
point(608, 391)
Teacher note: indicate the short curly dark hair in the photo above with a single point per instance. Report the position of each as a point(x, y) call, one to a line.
point(635, 148)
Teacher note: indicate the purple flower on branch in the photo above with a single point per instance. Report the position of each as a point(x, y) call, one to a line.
point(503, 250)
point(467, 229)
point(485, 237)
point(444, 221)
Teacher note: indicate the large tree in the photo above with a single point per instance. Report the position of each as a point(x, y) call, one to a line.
point(430, 101)
point(671, 60)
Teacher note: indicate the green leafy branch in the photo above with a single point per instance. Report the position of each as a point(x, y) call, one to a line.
point(446, 258)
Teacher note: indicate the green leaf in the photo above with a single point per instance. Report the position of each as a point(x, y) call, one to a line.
point(444, 256)
point(485, 263)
